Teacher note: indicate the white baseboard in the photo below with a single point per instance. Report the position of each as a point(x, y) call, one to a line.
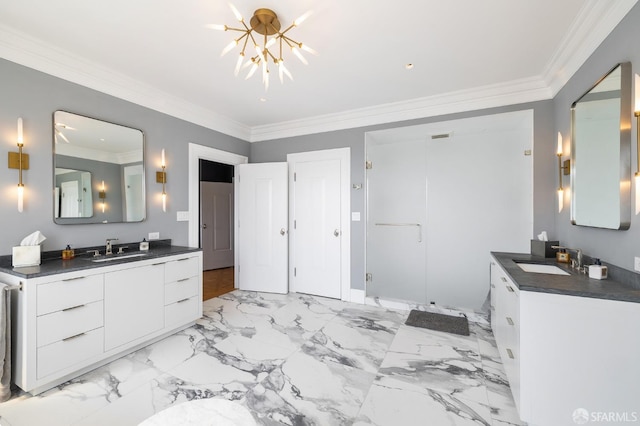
point(357, 296)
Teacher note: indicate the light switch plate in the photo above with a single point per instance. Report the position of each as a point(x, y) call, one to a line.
point(182, 216)
point(154, 236)
point(636, 264)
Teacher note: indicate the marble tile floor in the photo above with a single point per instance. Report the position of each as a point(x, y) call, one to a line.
point(295, 360)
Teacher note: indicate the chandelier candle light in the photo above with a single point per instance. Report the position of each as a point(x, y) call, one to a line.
point(265, 23)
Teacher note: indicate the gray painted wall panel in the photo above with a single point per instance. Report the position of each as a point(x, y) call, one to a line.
point(34, 96)
point(615, 247)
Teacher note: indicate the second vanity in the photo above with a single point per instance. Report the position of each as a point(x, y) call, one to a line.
point(567, 342)
point(72, 316)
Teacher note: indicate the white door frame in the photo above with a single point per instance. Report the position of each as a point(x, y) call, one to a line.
point(344, 155)
point(201, 152)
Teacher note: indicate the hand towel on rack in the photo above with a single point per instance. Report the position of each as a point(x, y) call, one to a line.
point(5, 342)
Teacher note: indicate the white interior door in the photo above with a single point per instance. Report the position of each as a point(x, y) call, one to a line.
point(216, 217)
point(70, 203)
point(320, 232)
point(262, 227)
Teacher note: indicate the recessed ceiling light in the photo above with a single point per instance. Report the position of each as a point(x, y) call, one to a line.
point(263, 99)
point(409, 66)
point(101, 139)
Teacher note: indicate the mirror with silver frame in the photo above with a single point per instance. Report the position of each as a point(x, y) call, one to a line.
point(98, 171)
point(601, 153)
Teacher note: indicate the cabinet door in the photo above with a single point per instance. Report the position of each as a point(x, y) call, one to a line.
point(133, 304)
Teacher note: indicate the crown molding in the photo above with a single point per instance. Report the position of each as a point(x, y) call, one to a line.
point(34, 53)
point(496, 95)
point(592, 26)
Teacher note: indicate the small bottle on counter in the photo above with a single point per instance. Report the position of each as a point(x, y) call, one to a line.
point(144, 245)
point(68, 253)
point(598, 271)
point(562, 256)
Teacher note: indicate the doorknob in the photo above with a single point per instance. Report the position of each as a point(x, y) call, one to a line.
point(282, 231)
point(336, 233)
point(204, 226)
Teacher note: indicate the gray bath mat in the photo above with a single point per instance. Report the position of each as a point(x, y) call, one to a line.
point(438, 322)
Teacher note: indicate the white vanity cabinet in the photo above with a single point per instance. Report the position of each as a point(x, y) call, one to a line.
point(133, 304)
point(69, 323)
point(505, 318)
point(565, 352)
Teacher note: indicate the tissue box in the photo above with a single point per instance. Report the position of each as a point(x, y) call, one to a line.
point(543, 248)
point(26, 256)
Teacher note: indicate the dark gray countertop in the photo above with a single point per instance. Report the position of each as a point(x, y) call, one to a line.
point(575, 284)
point(83, 261)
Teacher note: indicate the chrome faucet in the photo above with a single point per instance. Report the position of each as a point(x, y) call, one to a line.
point(109, 249)
point(578, 252)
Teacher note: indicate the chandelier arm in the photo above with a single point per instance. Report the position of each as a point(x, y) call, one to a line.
point(291, 41)
point(244, 46)
point(288, 28)
point(275, 60)
point(242, 30)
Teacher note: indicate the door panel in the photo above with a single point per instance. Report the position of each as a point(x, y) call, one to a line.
point(216, 218)
point(317, 232)
point(262, 227)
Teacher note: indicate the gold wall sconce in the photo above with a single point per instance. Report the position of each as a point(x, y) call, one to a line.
point(636, 113)
point(161, 177)
point(564, 168)
point(102, 194)
point(19, 160)
point(637, 175)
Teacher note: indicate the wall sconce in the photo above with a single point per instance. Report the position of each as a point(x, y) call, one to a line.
point(563, 168)
point(102, 194)
point(161, 177)
point(20, 161)
point(637, 176)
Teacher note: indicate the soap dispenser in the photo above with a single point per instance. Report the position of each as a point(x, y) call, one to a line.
point(598, 271)
point(68, 253)
point(144, 245)
point(562, 256)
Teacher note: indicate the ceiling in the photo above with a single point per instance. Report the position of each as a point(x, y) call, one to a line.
point(161, 54)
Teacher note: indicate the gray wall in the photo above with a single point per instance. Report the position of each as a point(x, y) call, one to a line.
point(543, 166)
point(34, 96)
point(616, 247)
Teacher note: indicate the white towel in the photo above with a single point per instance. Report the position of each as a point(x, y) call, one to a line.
point(5, 343)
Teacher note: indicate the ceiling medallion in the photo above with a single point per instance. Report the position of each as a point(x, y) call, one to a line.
point(270, 44)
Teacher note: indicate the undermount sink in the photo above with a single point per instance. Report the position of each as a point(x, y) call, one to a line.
point(117, 257)
point(538, 268)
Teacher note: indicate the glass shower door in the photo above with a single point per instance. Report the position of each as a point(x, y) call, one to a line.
point(396, 219)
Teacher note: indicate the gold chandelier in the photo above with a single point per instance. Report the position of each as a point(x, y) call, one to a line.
point(264, 23)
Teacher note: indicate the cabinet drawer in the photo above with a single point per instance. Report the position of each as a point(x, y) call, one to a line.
point(181, 312)
point(67, 353)
point(180, 289)
point(180, 269)
point(59, 295)
point(69, 322)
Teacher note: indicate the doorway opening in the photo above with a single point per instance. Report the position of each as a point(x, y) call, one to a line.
point(197, 153)
point(216, 227)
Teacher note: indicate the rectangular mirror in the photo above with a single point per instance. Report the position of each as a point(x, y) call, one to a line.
point(601, 153)
point(98, 171)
